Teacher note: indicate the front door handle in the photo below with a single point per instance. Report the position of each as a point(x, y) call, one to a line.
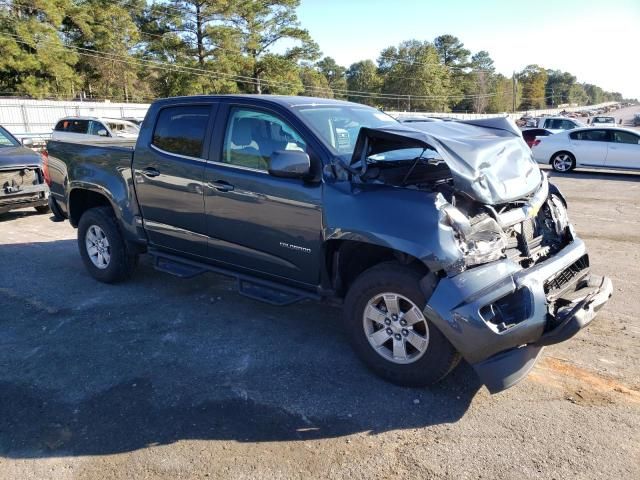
point(150, 172)
point(221, 186)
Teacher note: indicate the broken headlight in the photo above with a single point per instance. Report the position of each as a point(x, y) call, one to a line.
point(558, 214)
point(481, 242)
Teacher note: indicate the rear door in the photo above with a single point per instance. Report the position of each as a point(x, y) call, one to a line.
point(168, 174)
point(624, 150)
point(590, 146)
point(255, 221)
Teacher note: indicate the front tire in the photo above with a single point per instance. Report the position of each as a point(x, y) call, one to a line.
point(563, 162)
point(102, 246)
point(384, 321)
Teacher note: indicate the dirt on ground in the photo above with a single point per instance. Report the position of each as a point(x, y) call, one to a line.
point(167, 378)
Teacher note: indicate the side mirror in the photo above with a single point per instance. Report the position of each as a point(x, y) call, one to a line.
point(289, 164)
point(103, 133)
point(27, 142)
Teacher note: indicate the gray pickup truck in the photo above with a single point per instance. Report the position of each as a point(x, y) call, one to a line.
point(22, 178)
point(441, 243)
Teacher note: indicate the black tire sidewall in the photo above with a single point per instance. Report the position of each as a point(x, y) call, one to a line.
point(121, 263)
point(42, 209)
point(437, 361)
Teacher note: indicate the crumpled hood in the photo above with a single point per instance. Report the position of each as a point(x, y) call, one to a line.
point(488, 158)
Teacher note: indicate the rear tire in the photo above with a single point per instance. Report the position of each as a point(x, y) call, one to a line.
point(426, 357)
point(563, 162)
point(102, 246)
point(42, 209)
point(55, 209)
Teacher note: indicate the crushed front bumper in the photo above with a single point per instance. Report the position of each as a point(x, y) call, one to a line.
point(500, 316)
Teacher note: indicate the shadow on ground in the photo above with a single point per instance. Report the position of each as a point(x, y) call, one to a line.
point(93, 369)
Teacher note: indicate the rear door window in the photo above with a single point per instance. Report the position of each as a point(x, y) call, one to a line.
point(181, 129)
point(626, 137)
point(594, 135)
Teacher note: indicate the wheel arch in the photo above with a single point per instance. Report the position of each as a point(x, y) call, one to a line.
point(346, 259)
point(82, 199)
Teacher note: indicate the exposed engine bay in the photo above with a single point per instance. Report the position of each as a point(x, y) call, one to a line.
point(495, 199)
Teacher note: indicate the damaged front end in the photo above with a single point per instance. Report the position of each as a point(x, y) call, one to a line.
point(521, 278)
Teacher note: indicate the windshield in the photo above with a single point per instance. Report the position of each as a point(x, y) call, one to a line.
point(339, 125)
point(7, 140)
point(123, 128)
point(603, 120)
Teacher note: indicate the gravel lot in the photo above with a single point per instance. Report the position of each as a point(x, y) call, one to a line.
point(169, 378)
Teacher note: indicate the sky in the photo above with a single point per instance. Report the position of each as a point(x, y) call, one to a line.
point(597, 41)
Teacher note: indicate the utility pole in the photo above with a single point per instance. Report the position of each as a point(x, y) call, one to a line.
point(514, 92)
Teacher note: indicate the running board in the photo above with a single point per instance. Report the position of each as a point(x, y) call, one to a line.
point(249, 286)
point(177, 269)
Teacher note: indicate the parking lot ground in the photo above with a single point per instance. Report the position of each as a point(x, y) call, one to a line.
point(167, 378)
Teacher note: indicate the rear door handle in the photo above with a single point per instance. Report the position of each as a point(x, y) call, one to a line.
point(150, 172)
point(221, 186)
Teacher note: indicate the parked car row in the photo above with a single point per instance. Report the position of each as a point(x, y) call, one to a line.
point(591, 147)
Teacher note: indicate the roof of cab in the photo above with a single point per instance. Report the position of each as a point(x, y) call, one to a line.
point(283, 100)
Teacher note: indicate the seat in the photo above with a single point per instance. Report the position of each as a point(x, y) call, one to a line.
point(245, 150)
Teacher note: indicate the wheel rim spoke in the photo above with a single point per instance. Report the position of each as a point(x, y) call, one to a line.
point(419, 342)
point(391, 302)
point(379, 337)
point(375, 314)
point(399, 349)
point(413, 316)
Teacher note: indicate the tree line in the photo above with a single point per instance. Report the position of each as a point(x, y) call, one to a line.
point(136, 51)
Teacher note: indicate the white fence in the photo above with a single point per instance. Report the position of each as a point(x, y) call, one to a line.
point(36, 118)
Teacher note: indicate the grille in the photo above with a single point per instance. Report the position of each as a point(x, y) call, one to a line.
point(559, 282)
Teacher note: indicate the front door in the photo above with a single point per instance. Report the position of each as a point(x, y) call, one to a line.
point(256, 221)
point(590, 146)
point(624, 150)
point(168, 177)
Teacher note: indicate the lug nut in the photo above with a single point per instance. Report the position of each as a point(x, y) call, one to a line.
point(387, 321)
point(395, 317)
point(389, 331)
point(403, 322)
point(405, 332)
point(397, 336)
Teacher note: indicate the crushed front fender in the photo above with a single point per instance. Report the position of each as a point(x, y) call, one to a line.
point(499, 316)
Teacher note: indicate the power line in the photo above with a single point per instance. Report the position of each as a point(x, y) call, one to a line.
point(235, 77)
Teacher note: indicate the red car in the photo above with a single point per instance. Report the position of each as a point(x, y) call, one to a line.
point(530, 135)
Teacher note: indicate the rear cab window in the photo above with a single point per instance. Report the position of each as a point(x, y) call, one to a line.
point(72, 125)
point(181, 130)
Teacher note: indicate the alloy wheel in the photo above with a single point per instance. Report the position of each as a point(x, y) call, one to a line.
point(562, 162)
point(396, 328)
point(98, 247)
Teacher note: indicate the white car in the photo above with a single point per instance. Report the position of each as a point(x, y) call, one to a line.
point(603, 122)
point(590, 147)
point(94, 129)
point(558, 123)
